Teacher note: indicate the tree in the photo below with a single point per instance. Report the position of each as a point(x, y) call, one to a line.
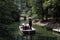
point(57, 10)
point(9, 11)
point(39, 8)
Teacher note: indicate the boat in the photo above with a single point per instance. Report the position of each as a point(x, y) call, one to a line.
point(27, 31)
point(56, 30)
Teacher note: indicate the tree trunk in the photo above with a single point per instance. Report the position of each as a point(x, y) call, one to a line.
point(46, 14)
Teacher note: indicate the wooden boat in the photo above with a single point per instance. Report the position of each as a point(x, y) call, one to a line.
point(28, 31)
point(56, 30)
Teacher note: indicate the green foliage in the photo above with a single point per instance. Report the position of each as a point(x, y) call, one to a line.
point(49, 3)
point(39, 8)
point(8, 11)
point(9, 32)
point(30, 2)
point(48, 7)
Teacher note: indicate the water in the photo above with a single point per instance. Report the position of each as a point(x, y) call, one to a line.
point(26, 37)
point(41, 34)
point(20, 35)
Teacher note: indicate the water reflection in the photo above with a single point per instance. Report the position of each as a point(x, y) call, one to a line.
point(19, 37)
point(24, 37)
point(37, 36)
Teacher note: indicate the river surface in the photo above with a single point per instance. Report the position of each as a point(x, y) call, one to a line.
point(20, 35)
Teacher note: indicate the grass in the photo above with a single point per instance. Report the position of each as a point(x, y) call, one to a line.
point(43, 34)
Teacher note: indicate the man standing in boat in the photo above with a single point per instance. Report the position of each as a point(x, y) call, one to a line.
point(30, 22)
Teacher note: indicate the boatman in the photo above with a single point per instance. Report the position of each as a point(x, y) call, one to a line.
point(30, 22)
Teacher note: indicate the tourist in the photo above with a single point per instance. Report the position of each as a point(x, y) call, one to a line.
point(23, 26)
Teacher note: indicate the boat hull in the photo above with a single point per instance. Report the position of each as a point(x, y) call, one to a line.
point(28, 31)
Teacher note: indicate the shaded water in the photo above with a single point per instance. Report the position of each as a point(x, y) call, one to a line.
point(38, 36)
point(41, 34)
point(20, 35)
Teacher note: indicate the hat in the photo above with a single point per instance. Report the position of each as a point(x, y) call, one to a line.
point(23, 24)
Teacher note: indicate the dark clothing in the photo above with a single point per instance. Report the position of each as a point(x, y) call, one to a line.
point(30, 23)
point(24, 17)
point(25, 28)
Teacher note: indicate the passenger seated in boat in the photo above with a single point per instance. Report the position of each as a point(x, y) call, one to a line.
point(25, 27)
